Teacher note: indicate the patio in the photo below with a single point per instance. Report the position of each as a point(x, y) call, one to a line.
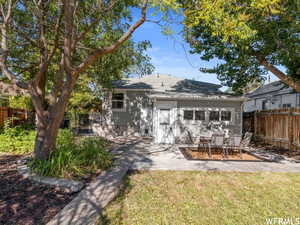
point(145, 155)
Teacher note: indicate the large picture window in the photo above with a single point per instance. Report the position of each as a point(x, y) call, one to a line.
point(118, 101)
point(226, 116)
point(214, 116)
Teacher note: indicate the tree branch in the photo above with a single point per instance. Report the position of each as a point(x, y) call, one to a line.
point(295, 84)
point(4, 49)
point(96, 21)
point(109, 49)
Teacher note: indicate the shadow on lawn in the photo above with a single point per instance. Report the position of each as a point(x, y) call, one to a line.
point(120, 201)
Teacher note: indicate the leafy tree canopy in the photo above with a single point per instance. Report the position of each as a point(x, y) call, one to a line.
point(249, 37)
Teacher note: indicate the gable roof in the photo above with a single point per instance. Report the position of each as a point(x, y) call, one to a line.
point(167, 83)
point(276, 87)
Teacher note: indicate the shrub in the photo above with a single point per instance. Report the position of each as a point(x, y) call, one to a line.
point(74, 160)
point(16, 140)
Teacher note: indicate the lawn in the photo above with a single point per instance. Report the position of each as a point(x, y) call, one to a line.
point(211, 198)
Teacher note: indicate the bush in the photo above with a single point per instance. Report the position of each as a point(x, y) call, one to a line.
point(74, 160)
point(16, 140)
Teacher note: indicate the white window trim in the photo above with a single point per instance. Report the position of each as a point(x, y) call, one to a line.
point(193, 121)
point(232, 110)
point(207, 110)
point(125, 101)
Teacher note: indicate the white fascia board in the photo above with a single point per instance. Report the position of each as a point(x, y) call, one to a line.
point(216, 98)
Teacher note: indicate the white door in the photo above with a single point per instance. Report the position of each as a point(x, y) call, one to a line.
point(165, 122)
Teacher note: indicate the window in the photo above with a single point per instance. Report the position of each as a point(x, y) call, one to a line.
point(164, 117)
point(286, 105)
point(214, 115)
point(264, 105)
point(199, 115)
point(188, 114)
point(226, 116)
point(118, 101)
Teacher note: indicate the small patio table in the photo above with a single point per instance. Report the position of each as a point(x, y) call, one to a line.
point(206, 141)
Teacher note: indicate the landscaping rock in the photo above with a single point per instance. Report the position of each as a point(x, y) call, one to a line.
point(66, 185)
point(87, 207)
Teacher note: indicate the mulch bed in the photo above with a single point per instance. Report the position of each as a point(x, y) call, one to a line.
point(23, 202)
point(193, 154)
point(293, 154)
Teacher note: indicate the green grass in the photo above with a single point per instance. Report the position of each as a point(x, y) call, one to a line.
point(204, 198)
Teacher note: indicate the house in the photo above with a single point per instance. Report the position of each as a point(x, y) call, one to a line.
point(170, 109)
point(274, 95)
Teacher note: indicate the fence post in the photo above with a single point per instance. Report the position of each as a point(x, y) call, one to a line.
point(290, 128)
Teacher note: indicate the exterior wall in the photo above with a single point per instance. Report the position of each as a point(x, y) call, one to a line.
point(136, 118)
point(198, 128)
point(274, 102)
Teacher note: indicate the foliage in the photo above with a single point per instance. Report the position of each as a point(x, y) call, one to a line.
point(46, 46)
point(206, 198)
point(16, 140)
point(20, 102)
point(250, 38)
point(74, 160)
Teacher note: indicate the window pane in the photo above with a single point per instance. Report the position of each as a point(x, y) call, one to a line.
point(188, 114)
point(199, 115)
point(164, 117)
point(287, 105)
point(214, 115)
point(118, 96)
point(226, 116)
point(117, 104)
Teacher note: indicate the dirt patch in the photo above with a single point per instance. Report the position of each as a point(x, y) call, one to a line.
point(293, 154)
point(23, 202)
point(195, 154)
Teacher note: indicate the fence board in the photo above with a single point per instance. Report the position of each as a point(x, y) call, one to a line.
point(280, 127)
point(18, 115)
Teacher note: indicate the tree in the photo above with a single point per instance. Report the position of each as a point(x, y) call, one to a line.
point(128, 59)
point(249, 37)
point(47, 45)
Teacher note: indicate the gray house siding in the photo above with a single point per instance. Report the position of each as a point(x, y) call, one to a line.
point(137, 115)
point(272, 102)
point(154, 106)
point(198, 128)
point(274, 95)
point(137, 118)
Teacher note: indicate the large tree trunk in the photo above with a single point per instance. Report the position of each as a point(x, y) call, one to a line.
point(45, 141)
point(47, 130)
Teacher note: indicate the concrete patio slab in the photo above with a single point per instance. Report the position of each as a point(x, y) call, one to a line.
point(148, 156)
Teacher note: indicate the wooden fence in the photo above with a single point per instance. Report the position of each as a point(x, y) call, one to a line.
point(17, 115)
point(280, 127)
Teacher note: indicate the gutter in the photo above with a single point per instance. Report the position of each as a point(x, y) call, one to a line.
point(216, 98)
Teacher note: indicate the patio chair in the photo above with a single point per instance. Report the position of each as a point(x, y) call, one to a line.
point(234, 144)
point(204, 143)
point(246, 140)
point(217, 142)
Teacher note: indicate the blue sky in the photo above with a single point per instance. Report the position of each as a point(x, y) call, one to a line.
point(170, 55)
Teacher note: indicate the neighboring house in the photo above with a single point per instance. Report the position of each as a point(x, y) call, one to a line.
point(274, 95)
point(170, 109)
